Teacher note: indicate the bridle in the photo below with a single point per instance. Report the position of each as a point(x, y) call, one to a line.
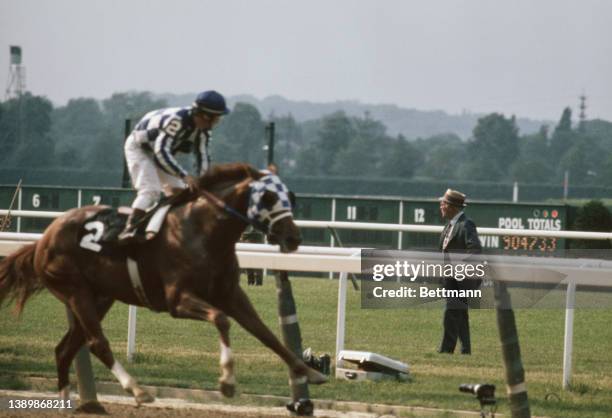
point(267, 218)
point(233, 212)
point(274, 216)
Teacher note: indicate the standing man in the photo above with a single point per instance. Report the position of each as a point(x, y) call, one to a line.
point(459, 235)
point(150, 149)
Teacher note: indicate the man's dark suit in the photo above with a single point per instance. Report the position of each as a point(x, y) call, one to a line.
point(463, 239)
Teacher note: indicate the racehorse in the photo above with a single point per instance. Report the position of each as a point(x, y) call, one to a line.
point(189, 270)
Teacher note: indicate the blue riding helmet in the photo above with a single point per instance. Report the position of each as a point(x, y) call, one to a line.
point(212, 102)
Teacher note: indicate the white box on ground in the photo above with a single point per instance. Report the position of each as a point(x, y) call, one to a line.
point(370, 366)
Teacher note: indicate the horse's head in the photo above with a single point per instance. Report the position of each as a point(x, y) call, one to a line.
point(270, 205)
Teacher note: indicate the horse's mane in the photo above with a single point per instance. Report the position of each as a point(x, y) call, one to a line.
point(222, 173)
point(227, 173)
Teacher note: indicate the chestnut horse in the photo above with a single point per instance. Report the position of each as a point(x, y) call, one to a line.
point(189, 270)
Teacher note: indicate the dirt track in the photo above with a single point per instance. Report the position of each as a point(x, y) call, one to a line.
point(129, 411)
point(123, 407)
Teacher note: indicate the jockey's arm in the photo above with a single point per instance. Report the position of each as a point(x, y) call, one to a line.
point(202, 155)
point(162, 149)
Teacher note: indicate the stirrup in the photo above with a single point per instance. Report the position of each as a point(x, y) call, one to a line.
point(127, 234)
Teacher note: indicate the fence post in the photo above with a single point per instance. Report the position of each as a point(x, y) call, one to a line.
point(341, 314)
point(511, 352)
point(400, 234)
point(131, 338)
point(332, 242)
point(569, 335)
point(292, 337)
point(19, 204)
point(341, 317)
point(86, 383)
point(515, 192)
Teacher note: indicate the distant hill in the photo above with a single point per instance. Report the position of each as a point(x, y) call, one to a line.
point(411, 123)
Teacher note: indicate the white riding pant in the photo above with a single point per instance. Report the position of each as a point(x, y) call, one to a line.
point(147, 178)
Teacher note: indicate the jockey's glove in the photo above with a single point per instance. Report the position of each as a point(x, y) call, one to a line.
point(191, 182)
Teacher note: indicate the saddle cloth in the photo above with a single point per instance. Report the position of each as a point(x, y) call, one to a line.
point(100, 231)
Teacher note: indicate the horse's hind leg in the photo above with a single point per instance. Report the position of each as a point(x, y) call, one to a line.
point(82, 304)
point(240, 308)
point(70, 345)
point(191, 306)
point(64, 354)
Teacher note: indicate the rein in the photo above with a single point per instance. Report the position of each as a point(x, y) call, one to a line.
point(233, 212)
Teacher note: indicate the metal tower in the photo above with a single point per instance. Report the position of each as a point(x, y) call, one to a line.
point(16, 83)
point(582, 112)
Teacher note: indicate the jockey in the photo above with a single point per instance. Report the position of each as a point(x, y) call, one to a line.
point(150, 149)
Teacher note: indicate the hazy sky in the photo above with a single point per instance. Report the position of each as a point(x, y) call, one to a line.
point(527, 57)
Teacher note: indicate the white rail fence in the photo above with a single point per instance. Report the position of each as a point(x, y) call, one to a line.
point(348, 260)
point(383, 227)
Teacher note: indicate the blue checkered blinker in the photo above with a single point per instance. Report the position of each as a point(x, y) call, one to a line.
point(257, 211)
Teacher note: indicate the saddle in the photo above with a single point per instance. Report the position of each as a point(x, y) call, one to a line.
point(100, 231)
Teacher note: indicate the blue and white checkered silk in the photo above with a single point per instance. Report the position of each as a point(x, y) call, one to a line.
point(272, 183)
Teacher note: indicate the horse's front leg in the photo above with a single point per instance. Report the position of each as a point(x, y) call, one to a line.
point(191, 306)
point(241, 309)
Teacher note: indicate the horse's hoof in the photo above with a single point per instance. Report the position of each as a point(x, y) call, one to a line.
point(144, 397)
point(228, 390)
point(93, 407)
point(301, 408)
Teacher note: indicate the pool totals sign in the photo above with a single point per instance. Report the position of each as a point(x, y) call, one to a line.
point(539, 219)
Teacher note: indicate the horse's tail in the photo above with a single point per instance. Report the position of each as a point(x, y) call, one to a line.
point(18, 280)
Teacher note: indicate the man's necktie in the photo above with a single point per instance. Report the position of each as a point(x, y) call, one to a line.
point(447, 235)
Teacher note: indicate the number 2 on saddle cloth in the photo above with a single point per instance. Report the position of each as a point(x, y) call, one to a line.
point(100, 231)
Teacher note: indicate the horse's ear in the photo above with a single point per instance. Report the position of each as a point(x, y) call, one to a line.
point(292, 199)
point(253, 172)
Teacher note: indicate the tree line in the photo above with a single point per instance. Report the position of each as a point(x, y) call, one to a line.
point(88, 134)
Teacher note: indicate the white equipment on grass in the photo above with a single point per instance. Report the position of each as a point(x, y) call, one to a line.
point(370, 366)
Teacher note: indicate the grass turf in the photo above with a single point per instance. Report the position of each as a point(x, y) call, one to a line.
point(185, 353)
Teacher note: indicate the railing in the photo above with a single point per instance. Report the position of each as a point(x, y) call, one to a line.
point(385, 227)
point(348, 260)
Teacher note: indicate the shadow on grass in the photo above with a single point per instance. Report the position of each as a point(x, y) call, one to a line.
point(564, 403)
point(584, 389)
point(14, 382)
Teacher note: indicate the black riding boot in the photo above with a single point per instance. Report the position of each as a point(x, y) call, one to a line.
point(129, 232)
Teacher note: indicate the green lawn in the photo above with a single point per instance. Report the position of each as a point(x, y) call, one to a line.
point(185, 353)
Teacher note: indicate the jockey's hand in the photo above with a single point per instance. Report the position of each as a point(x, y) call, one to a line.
point(191, 182)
